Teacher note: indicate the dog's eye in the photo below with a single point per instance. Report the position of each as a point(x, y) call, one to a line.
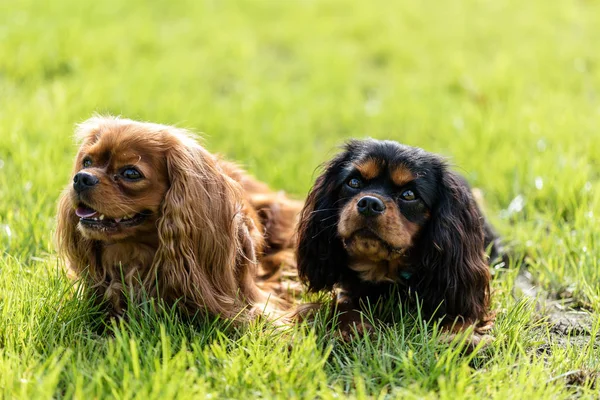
point(408, 195)
point(87, 163)
point(132, 174)
point(355, 183)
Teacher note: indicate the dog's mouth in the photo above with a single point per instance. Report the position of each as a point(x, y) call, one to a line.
point(93, 219)
point(367, 233)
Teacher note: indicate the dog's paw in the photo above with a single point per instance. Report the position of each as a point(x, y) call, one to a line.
point(476, 339)
point(472, 341)
point(348, 332)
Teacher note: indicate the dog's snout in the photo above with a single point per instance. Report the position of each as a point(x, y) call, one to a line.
point(83, 181)
point(370, 206)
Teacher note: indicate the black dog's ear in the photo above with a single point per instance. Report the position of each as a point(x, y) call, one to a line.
point(321, 256)
point(453, 258)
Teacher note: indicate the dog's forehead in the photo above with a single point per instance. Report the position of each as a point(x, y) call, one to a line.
point(403, 163)
point(392, 159)
point(373, 167)
point(120, 144)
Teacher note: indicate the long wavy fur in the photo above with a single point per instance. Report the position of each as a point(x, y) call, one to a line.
point(451, 275)
point(210, 239)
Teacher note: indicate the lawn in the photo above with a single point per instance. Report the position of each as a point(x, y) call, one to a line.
point(508, 90)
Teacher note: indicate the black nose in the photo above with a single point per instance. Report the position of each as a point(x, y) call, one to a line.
point(370, 206)
point(83, 181)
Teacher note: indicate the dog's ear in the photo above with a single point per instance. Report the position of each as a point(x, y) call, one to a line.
point(322, 259)
point(207, 249)
point(453, 256)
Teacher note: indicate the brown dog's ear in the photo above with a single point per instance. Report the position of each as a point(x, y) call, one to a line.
point(322, 259)
point(77, 251)
point(204, 258)
point(453, 259)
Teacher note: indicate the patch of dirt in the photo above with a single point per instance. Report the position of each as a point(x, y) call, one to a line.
point(569, 325)
point(573, 323)
point(564, 320)
point(583, 377)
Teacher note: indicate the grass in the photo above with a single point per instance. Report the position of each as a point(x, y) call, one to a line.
point(507, 90)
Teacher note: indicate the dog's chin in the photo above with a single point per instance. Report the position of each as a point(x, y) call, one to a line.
point(95, 225)
point(366, 244)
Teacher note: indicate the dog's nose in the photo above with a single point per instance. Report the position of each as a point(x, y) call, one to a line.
point(83, 181)
point(370, 206)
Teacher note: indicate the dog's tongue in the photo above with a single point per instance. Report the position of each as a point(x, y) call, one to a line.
point(85, 212)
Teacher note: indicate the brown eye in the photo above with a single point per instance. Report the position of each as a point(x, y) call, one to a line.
point(408, 195)
point(354, 183)
point(87, 163)
point(131, 174)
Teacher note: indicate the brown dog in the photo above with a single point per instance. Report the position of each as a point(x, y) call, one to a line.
point(151, 211)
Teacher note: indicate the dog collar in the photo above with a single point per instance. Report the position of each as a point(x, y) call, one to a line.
point(405, 275)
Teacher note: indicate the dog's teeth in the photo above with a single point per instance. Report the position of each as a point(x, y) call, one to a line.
point(117, 220)
point(101, 217)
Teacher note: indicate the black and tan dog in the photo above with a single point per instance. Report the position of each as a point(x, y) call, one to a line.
point(386, 218)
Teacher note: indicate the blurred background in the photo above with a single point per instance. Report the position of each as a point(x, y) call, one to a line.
point(506, 89)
